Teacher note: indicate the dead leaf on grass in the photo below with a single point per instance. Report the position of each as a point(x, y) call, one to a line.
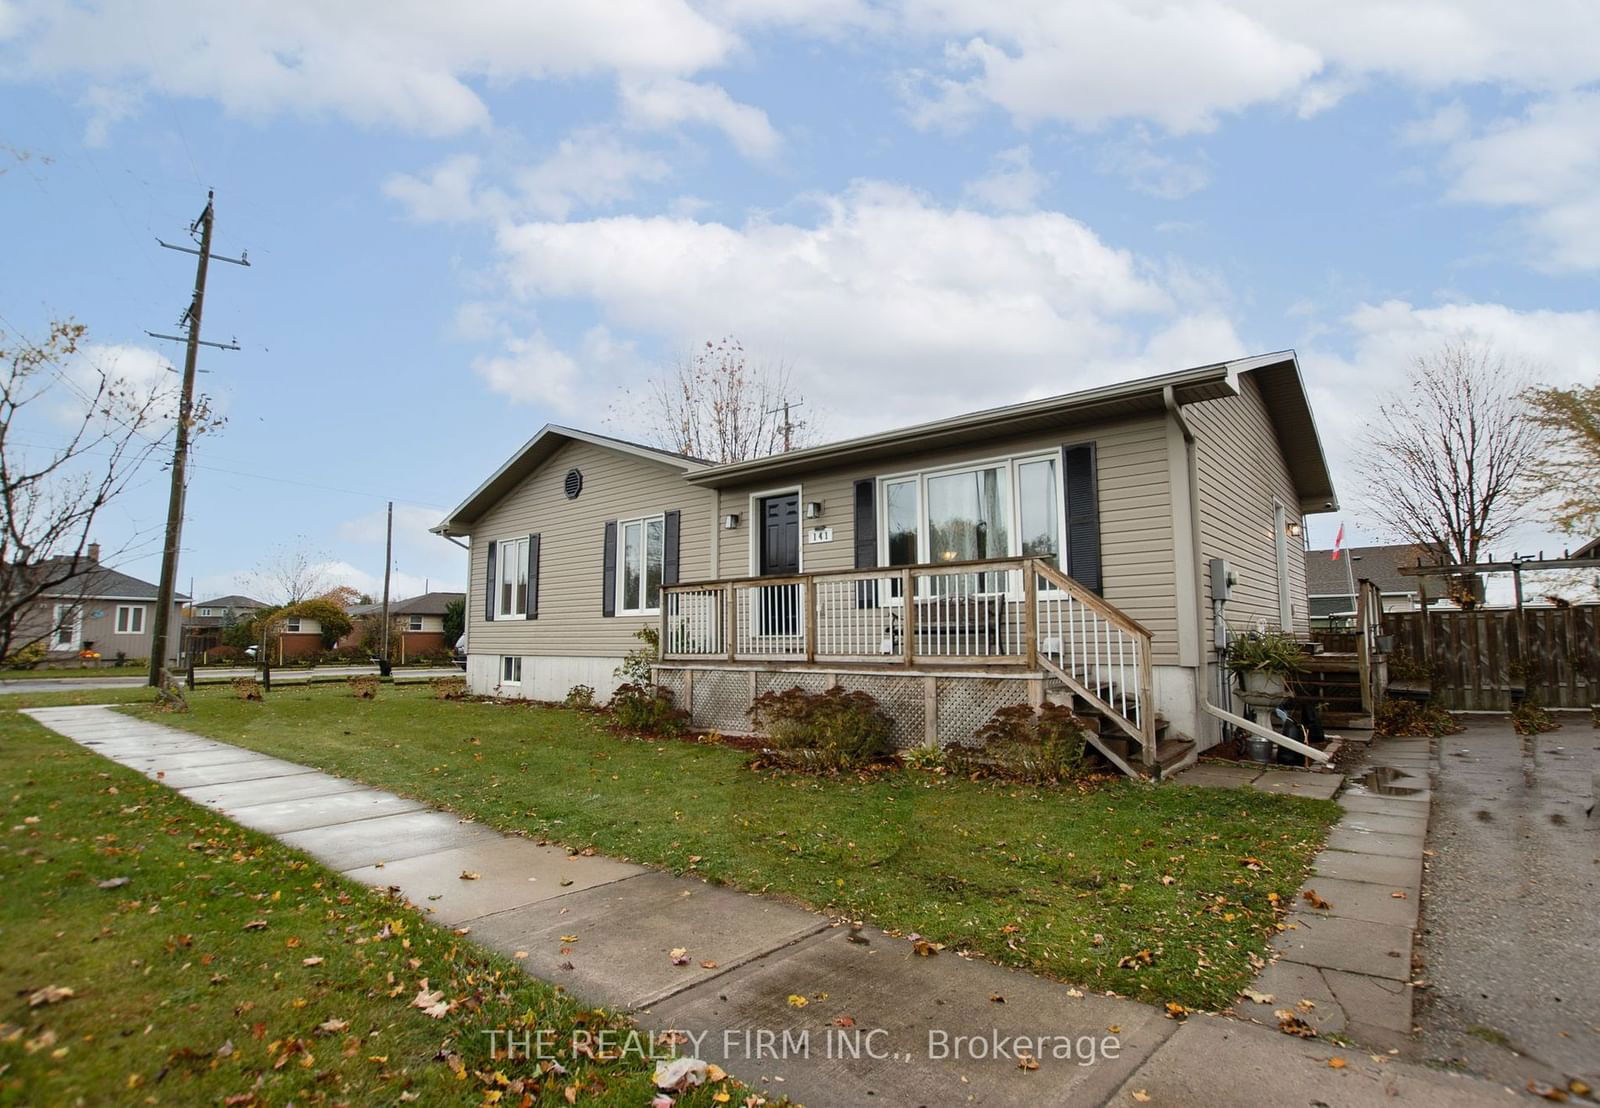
point(50, 994)
point(113, 882)
point(1310, 897)
point(314, 960)
point(332, 1026)
point(256, 925)
point(469, 875)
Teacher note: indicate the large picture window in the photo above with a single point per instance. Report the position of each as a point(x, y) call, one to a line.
point(511, 601)
point(642, 543)
point(1005, 508)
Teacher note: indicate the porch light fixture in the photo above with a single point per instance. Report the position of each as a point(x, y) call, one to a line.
point(1293, 529)
point(813, 509)
point(730, 521)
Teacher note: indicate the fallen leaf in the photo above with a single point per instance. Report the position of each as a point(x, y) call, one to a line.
point(333, 1027)
point(679, 956)
point(1549, 1092)
point(844, 1021)
point(1168, 879)
point(469, 875)
point(1176, 1011)
point(314, 960)
point(256, 925)
point(1310, 897)
point(50, 994)
point(569, 938)
point(1291, 1024)
point(113, 882)
point(1398, 894)
point(996, 998)
point(1141, 1096)
point(1259, 998)
point(432, 1002)
point(1027, 1062)
point(1336, 1063)
point(797, 1001)
point(926, 949)
point(708, 964)
point(1134, 961)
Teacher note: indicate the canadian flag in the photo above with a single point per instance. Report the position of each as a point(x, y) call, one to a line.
point(1338, 541)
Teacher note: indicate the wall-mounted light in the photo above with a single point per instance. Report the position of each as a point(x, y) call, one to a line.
point(730, 521)
point(1293, 529)
point(813, 509)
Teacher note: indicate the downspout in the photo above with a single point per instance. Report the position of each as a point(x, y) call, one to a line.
point(466, 616)
point(1203, 619)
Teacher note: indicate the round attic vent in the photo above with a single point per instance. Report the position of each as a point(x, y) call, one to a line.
point(574, 484)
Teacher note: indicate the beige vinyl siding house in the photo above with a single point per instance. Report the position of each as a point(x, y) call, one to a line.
point(100, 610)
point(565, 640)
point(1117, 499)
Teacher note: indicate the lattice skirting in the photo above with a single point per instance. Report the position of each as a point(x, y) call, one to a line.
point(719, 699)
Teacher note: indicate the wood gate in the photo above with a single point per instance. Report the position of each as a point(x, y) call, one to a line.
point(1477, 657)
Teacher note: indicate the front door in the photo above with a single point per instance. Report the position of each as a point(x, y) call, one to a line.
point(780, 557)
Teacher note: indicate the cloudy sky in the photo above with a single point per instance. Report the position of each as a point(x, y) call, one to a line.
point(469, 219)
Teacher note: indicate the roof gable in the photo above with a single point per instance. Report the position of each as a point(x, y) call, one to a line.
point(534, 453)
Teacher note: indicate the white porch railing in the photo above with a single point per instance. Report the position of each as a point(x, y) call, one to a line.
point(999, 612)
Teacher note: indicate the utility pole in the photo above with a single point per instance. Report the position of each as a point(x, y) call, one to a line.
point(180, 449)
point(388, 560)
point(788, 427)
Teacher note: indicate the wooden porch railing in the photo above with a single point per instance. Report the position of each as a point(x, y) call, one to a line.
point(1012, 612)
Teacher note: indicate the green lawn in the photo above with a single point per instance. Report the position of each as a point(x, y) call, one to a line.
point(1162, 894)
point(229, 968)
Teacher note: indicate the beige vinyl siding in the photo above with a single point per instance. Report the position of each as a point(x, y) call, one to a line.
point(572, 550)
point(1135, 515)
point(1241, 472)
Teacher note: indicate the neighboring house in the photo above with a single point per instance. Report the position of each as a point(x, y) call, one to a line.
point(420, 622)
point(204, 622)
point(1331, 584)
point(797, 568)
point(101, 610)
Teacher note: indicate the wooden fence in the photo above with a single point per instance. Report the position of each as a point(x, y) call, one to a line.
point(1477, 657)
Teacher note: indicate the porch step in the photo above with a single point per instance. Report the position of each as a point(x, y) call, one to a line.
point(1170, 752)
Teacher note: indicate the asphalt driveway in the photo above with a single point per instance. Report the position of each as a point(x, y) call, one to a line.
point(1511, 911)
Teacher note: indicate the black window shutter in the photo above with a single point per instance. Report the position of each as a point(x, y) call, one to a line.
point(866, 536)
point(533, 577)
point(490, 585)
point(608, 586)
point(671, 527)
point(1082, 488)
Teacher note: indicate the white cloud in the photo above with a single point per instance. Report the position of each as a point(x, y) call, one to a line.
point(531, 369)
point(449, 193)
point(1182, 63)
point(1546, 162)
point(1012, 185)
point(669, 101)
point(928, 309)
point(408, 64)
point(1156, 174)
point(137, 374)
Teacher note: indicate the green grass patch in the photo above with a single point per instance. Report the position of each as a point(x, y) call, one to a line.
point(1158, 893)
point(133, 694)
point(231, 969)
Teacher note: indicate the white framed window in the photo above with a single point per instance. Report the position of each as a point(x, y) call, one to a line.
point(130, 619)
point(640, 545)
point(414, 623)
point(510, 669)
point(292, 623)
point(65, 623)
point(1000, 508)
point(511, 569)
point(205, 611)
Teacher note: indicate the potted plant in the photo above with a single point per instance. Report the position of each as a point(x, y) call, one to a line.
point(1264, 662)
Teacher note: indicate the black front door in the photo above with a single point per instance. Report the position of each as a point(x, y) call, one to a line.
point(780, 557)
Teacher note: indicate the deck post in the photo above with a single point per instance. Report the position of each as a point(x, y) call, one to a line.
point(908, 606)
point(1147, 706)
point(930, 710)
point(730, 621)
point(1030, 613)
point(809, 594)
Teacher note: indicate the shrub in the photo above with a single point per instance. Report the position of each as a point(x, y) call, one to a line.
point(346, 656)
point(364, 686)
point(832, 730)
point(637, 666)
point(247, 688)
point(449, 688)
point(439, 657)
point(923, 757)
point(1530, 718)
point(1043, 746)
point(580, 697)
point(647, 710)
point(220, 655)
point(1396, 718)
point(27, 657)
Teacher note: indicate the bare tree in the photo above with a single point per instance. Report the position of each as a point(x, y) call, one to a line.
point(1447, 459)
point(291, 574)
point(714, 404)
point(1568, 474)
point(52, 495)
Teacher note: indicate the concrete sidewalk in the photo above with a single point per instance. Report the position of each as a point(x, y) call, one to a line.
point(784, 999)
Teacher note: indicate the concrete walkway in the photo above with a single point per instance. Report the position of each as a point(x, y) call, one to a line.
point(879, 1025)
